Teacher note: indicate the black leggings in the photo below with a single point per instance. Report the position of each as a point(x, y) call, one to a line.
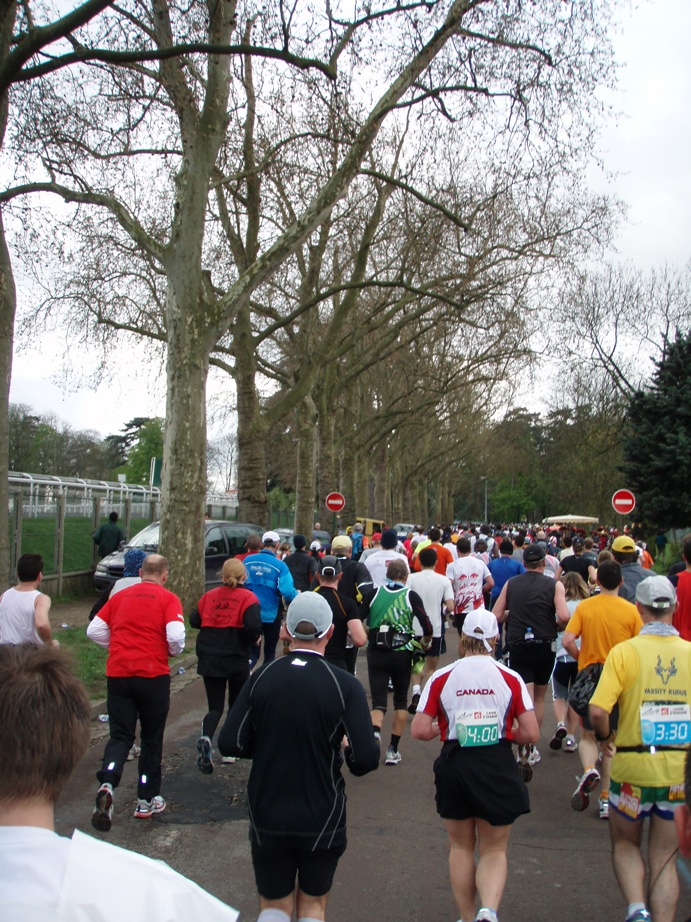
point(215, 697)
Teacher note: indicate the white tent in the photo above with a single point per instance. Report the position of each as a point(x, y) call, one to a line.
point(571, 519)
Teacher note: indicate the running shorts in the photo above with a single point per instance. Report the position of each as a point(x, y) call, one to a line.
point(636, 803)
point(385, 664)
point(481, 782)
point(532, 663)
point(562, 678)
point(275, 870)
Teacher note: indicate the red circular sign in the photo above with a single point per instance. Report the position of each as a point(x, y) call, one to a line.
point(335, 502)
point(624, 502)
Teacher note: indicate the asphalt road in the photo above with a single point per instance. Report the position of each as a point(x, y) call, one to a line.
point(395, 867)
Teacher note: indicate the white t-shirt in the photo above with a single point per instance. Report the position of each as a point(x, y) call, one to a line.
point(467, 575)
point(377, 563)
point(47, 878)
point(17, 622)
point(434, 589)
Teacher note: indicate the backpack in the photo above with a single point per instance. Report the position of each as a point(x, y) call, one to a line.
point(356, 538)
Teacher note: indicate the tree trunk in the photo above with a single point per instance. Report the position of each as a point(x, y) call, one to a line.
point(8, 307)
point(184, 450)
point(251, 462)
point(305, 482)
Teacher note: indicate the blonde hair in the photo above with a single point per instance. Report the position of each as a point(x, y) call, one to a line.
point(575, 586)
point(233, 573)
point(472, 646)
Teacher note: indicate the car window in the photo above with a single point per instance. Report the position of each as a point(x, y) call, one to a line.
point(149, 539)
point(236, 535)
point(215, 541)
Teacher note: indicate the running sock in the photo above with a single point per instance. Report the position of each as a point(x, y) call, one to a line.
point(273, 915)
point(395, 740)
point(377, 732)
point(416, 689)
point(634, 908)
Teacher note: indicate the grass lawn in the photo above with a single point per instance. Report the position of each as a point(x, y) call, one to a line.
point(90, 659)
point(39, 537)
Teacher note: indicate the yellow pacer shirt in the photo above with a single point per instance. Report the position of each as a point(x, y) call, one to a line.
point(650, 677)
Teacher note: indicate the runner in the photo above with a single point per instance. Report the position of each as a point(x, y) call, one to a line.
point(472, 705)
point(649, 677)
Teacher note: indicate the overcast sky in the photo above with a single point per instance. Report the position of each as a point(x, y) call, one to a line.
point(648, 146)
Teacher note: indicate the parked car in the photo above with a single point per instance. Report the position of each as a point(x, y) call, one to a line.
point(402, 530)
point(221, 541)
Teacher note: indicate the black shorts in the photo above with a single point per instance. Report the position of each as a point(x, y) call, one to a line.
point(533, 663)
point(481, 782)
point(434, 648)
point(275, 870)
point(385, 664)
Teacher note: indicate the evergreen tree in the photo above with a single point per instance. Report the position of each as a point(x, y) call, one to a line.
point(657, 448)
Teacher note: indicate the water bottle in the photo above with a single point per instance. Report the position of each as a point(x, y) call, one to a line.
point(529, 634)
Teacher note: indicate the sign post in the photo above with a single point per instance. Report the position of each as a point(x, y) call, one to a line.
point(334, 502)
point(624, 502)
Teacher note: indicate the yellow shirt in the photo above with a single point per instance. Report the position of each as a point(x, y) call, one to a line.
point(602, 622)
point(646, 669)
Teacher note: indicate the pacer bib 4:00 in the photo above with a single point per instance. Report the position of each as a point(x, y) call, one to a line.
point(477, 728)
point(665, 724)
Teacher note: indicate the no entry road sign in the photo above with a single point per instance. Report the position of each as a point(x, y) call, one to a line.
point(623, 502)
point(335, 502)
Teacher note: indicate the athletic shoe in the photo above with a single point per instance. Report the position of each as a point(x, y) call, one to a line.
point(133, 753)
point(486, 915)
point(204, 763)
point(525, 769)
point(604, 808)
point(559, 734)
point(533, 756)
point(393, 757)
point(147, 808)
point(642, 915)
point(581, 796)
point(414, 701)
point(102, 817)
point(228, 760)
point(570, 744)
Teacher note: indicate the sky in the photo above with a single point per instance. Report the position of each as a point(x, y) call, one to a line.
point(647, 145)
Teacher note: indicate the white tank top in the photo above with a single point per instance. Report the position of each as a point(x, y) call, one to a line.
point(17, 623)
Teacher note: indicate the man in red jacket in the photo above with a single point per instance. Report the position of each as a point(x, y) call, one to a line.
point(140, 627)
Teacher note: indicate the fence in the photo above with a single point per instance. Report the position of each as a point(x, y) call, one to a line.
point(57, 516)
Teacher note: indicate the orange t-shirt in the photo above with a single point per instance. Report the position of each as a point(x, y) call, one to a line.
point(444, 558)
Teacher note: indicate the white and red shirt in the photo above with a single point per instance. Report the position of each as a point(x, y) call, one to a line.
point(467, 575)
point(475, 684)
point(140, 627)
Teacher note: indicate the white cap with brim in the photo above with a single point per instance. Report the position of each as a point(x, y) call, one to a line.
point(270, 537)
point(312, 608)
point(482, 625)
point(656, 592)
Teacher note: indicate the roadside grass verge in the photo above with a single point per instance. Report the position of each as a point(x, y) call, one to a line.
point(90, 660)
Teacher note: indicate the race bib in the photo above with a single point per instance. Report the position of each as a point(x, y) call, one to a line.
point(665, 724)
point(477, 728)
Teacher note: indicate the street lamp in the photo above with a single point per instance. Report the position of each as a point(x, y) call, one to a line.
point(485, 518)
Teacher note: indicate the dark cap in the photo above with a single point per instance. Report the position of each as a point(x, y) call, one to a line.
point(577, 541)
point(329, 566)
point(389, 539)
point(533, 553)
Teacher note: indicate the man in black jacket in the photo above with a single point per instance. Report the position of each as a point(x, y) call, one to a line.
point(302, 565)
point(290, 719)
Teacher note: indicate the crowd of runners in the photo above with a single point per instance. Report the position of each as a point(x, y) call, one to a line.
point(578, 620)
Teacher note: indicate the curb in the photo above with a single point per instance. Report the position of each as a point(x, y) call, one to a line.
point(184, 662)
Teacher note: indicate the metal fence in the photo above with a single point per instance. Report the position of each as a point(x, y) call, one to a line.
point(57, 516)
